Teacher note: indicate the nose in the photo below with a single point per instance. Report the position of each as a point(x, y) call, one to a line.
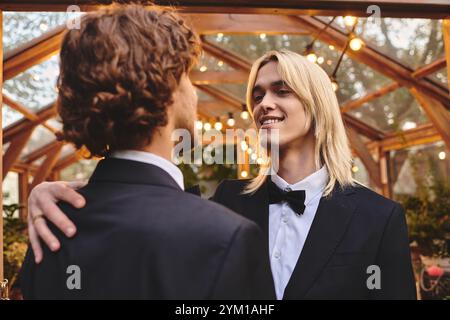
point(267, 104)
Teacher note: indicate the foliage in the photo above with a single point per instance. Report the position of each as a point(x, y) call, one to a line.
point(427, 211)
point(14, 242)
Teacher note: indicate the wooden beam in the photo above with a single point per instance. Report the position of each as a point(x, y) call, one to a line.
point(23, 194)
point(362, 128)
point(221, 95)
point(207, 24)
point(430, 68)
point(354, 104)
point(434, 9)
point(438, 115)
point(230, 58)
point(376, 60)
point(33, 52)
point(23, 125)
point(218, 77)
point(419, 73)
point(46, 167)
point(446, 36)
point(364, 155)
point(26, 112)
point(421, 135)
point(67, 161)
point(16, 147)
point(33, 156)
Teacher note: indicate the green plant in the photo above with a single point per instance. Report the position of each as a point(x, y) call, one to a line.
point(14, 242)
point(428, 210)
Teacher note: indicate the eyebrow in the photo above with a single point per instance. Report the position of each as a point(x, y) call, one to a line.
point(279, 83)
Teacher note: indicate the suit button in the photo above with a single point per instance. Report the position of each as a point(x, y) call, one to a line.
point(277, 255)
point(285, 220)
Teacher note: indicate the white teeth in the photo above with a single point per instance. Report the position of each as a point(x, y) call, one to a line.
point(269, 121)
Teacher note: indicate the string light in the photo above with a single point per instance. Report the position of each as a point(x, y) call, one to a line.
point(198, 125)
point(218, 125)
point(230, 122)
point(220, 63)
point(244, 113)
point(203, 68)
point(320, 60)
point(350, 21)
point(244, 174)
point(207, 126)
point(334, 84)
point(442, 155)
point(244, 146)
point(262, 36)
point(355, 169)
point(356, 43)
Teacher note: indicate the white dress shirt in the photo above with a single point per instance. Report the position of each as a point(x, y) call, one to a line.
point(151, 158)
point(288, 231)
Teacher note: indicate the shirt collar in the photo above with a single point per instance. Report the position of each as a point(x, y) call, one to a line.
point(314, 184)
point(151, 158)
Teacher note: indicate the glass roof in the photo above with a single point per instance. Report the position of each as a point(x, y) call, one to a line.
point(412, 42)
point(35, 88)
point(30, 25)
point(397, 110)
point(440, 77)
point(9, 116)
point(40, 137)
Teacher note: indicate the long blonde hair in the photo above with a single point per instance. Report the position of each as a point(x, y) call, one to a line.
point(313, 88)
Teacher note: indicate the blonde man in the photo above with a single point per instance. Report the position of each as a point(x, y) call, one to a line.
point(326, 237)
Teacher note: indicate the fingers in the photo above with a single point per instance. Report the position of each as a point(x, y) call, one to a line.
point(75, 185)
point(35, 243)
point(46, 235)
point(65, 192)
point(55, 215)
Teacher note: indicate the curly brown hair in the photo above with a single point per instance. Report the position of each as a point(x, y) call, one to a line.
point(118, 73)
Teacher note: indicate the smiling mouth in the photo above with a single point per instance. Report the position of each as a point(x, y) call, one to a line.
point(270, 120)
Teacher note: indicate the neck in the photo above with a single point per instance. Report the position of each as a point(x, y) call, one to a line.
point(297, 160)
point(161, 144)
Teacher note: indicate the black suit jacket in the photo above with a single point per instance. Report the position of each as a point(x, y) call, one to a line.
point(141, 237)
point(352, 229)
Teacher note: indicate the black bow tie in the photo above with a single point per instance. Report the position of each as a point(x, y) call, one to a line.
point(295, 199)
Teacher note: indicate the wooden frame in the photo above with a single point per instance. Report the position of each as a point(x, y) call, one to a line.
point(434, 9)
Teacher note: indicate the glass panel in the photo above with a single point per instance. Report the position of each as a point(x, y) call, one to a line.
point(210, 63)
point(397, 110)
point(440, 77)
point(236, 90)
point(355, 79)
point(66, 150)
point(9, 116)
point(40, 137)
point(21, 27)
point(252, 47)
point(360, 173)
point(55, 123)
point(35, 88)
point(11, 189)
point(81, 170)
point(412, 42)
point(419, 167)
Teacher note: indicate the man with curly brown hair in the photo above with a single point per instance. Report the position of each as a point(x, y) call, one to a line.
point(123, 89)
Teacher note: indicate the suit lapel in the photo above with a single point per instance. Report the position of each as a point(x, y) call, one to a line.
point(330, 223)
